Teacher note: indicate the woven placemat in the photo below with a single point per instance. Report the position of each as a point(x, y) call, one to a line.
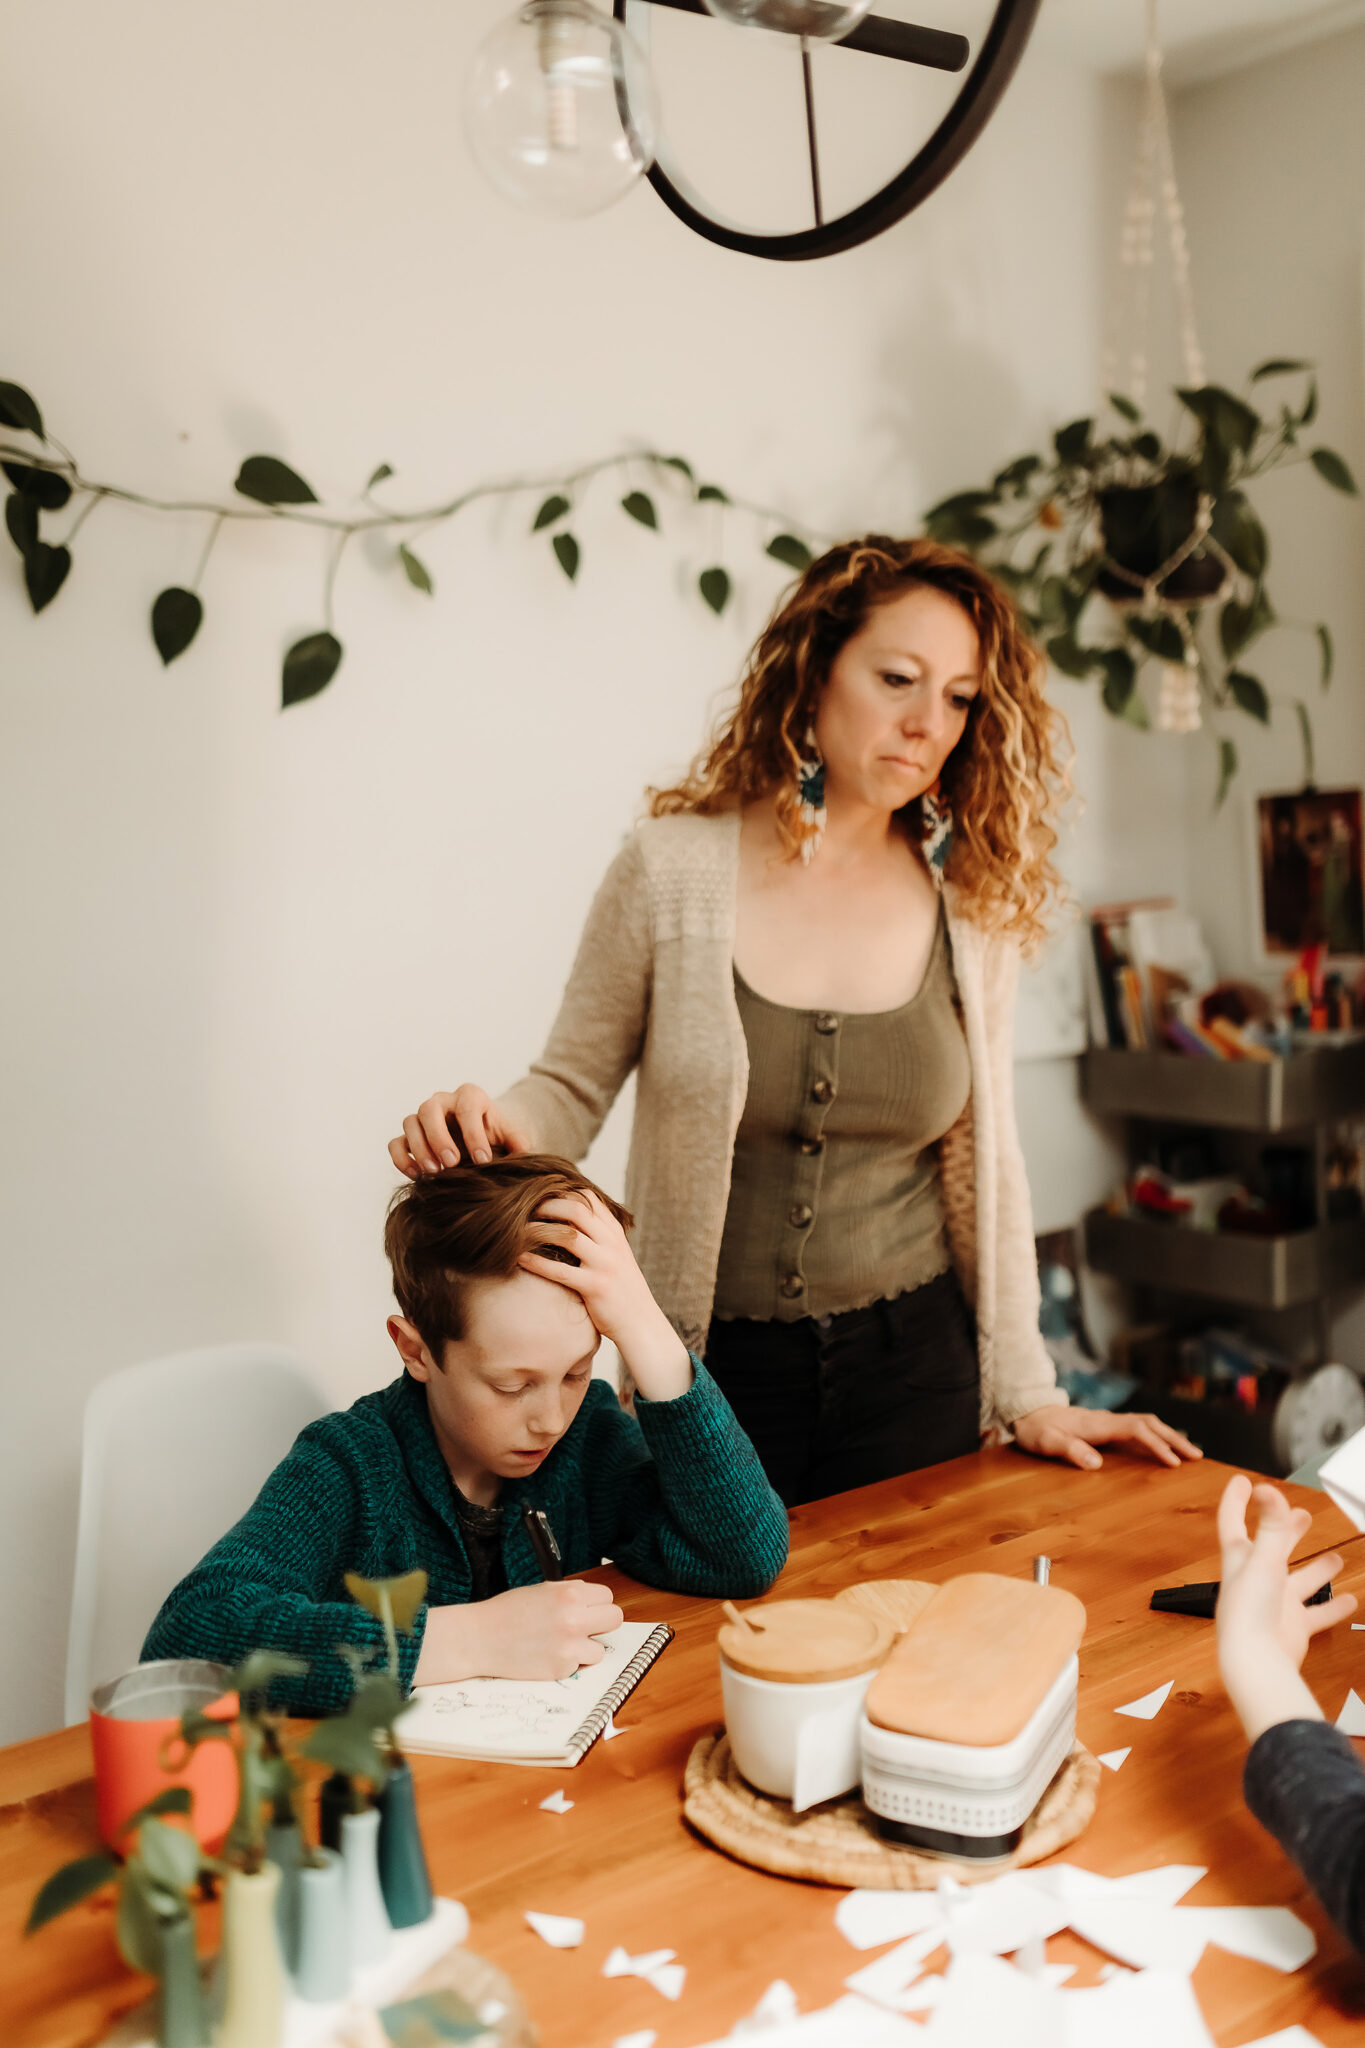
point(838, 1843)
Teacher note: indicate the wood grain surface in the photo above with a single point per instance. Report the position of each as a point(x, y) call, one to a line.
point(624, 1861)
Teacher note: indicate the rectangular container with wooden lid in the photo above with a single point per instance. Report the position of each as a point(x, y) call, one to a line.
point(972, 1715)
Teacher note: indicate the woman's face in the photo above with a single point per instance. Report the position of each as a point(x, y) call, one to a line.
point(897, 699)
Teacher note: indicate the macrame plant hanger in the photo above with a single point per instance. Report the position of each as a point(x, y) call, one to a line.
point(1154, 170)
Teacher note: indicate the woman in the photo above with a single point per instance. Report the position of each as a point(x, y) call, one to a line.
point(809, 951)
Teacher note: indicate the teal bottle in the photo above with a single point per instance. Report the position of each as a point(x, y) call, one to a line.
point(403, 1873)
point(184, 2021)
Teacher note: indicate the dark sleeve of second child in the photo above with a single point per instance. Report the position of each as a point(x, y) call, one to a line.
point(1304, 1783)
point(275, 1580)
point(679, 1498)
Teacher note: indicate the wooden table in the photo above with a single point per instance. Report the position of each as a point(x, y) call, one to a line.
point(623, 1861)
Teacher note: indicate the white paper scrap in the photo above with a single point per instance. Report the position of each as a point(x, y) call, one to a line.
point(1162, 1886)
point(887, 1980)
point(849, 2023)
point(869, 1918)
point(1150, 1705)
point(1342, 1477)
point(1003, 1914)
point(611, 1731)
point(776, 2008)
point(1300, 2030)
point(1114, 1759)
point(1147, 1936)
point(656, 1967)
point(1351, 1719)
point(556, 1803)
point(1266, 1934)
point(1134, 2009)
point(827, 1759)
point(557, 1928)
point(646, 2038)
point(1289, 2037)
point(984, 2000)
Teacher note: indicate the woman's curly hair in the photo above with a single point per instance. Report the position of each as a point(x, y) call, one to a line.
point(1005, 780)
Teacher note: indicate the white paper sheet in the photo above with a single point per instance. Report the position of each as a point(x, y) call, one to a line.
point(827, 1759)
point(1114, 1759)
point(1150, 1705)
point(1290, 2030)
point(1135, 2009)
point(849, 2023)
point(558, 1929)
point(887, 1980)
point(776, 2008)
point(985, 2000)
point(1351, 1719)
point(645, 2038)
point(998, 1917)
point(869, 1918)
point(1267, 1934)
point(1163, 1886)
point(1342, 1477)
point(1147, 1936)
point(556, 1803)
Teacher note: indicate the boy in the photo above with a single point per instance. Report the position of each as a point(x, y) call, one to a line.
point(508, 1277)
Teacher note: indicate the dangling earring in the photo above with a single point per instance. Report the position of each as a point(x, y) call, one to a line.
point(811, 790)
point(937, 843)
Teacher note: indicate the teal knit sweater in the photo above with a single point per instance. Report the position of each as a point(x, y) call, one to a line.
point(675, 1495)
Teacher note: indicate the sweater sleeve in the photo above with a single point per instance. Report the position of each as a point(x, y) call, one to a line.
point(1304, 1784)
point(599, 1033)
point(685, 1503)
point(271, 1583)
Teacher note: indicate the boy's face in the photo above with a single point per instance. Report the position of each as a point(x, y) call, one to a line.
point(510, 1387)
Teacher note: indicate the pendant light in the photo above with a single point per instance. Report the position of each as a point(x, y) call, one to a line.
point(821, 21)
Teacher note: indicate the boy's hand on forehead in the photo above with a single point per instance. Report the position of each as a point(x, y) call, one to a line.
point(612, 1289)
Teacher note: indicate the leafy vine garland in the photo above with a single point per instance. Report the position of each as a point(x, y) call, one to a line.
point(46, 480)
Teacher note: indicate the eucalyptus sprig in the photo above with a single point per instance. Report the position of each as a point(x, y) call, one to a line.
point(265, 1776)
point(154, 1882)
point(1123, 548)
point(46, 482)
point(349, 1743)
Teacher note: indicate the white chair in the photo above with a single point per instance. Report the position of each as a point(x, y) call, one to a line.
point(173, 1453)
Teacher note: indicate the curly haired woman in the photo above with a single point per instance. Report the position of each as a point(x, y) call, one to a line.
point(809, 951)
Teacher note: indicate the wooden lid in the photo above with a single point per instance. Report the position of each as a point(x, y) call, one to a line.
point(805, 1642)
point(978, 1661)
point(895, 1600)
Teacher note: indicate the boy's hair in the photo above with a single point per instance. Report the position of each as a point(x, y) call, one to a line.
point(471, 1223)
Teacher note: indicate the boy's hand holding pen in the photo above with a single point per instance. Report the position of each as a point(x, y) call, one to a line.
point(614, 1292)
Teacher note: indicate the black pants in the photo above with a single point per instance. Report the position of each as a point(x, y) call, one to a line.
point(831, 1402)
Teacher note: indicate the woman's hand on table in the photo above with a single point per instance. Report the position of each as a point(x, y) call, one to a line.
point(1071, 1434)
point(466, 1113)
point(1264, 1628)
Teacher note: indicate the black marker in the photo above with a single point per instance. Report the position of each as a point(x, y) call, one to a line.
point(536, 1523)
point(1202, 1599)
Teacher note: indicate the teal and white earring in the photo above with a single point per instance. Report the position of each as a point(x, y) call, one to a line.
point(938, 832)
point(811, 789)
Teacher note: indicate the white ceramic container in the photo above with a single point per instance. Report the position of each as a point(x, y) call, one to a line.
point(798, 1742)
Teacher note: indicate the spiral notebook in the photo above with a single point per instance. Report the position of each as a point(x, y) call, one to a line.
point(533, 1720)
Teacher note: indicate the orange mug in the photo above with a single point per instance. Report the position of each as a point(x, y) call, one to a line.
point(132, 1718)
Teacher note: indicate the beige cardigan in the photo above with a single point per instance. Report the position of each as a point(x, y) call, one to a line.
point(652, 988)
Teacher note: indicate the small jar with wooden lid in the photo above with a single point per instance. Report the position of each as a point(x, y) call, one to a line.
point(793, 1676)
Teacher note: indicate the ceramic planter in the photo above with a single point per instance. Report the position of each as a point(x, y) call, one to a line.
point(255, 1987)
point(183, 2019)
point(323, 1970)
point(369, 1931)
point(284, 1848)
point(403, 1874)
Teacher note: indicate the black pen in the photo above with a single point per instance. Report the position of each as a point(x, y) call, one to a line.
point(536, 1523)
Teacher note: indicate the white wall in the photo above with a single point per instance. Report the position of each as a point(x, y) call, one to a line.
point(242, 943)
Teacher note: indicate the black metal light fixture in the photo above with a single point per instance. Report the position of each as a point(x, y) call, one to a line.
point(562, 115)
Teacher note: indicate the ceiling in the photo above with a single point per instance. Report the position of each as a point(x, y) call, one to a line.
point(1201, 38)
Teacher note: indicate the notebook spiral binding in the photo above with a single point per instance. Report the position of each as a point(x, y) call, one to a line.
point(584, 1736)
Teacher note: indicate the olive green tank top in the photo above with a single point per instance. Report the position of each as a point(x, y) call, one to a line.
point(834, 1190)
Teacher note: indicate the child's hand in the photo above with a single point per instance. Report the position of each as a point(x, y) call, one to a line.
point(613, 1290)
point(1264, 1628)
point(531, 1632)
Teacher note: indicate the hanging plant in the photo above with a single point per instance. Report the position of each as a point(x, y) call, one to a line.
point(1124, 551)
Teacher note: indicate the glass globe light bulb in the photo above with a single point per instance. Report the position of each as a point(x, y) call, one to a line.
point(560, 109)
point(822, 21)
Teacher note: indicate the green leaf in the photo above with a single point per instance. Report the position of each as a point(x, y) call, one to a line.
point(176, 617)
point(1240, 533)
point(553, 508)
point(1278, 366)
point(1306, 739)
point(791, 552)
point(21, 522)
point(309, 667)
point(349, 1748)
point(1249, 694)
point(1124, 405)
point(69, 1885)
point(1333, 470)
point(381, 475)
point(48, 490)
point(196, 1726)
point(1159, 636)
point(1135, 713)
point(405, 1596)
point(1228, 422)
point(641, 506)
point(1227, 768)
point(18, 410)
point(260, 1668)
point(168, 1855)
point(1015, 475)
point(1071, 442)
point(138, 1925)
point(963, 501)
point(567, 554)
point(1071, 659)
point(958, 529)
point(417, 573)
point(175, 1799)
point(712, 494)
point(714, 585)
point(1052, 604)
point(1239, 624)
point(45, 571)
point(1325, 643)
point(272, 482)
point(1310, 406)
point(1148, 446)
point(1120, 680)
point(680, 463)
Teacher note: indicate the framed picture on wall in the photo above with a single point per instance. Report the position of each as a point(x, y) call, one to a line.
point(1310, 874)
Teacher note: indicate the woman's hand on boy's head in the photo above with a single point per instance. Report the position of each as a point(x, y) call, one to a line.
point(464, 1120)
point(612, 1289)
